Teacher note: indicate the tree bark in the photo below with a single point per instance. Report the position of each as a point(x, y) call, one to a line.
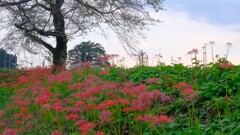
point(60, 53)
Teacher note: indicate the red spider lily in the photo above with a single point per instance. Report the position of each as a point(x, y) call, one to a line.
point(127, 109)
point(86, 127)
point(29, 116)
point(227, 99)
point(163, 119)
point(188, 91)
point(110, 85)
point(56, 132)
point(18, 122)
point(104, 72)
point(105, 116)
point(152, 80)
point(135, 91)
point(18, 115)
point(87, 65)
point(99, 133)
point(155, 93)
point(107, 104)
point(123, 101)
point(2, 123)
point(4, 84)
point(1, 113)
point(24, 110)
point(104, 58)
point(90, 107)
point(80, 122)
point(149, 118)
point(143, 102)
point(226, 65)
point(75, 86)
point(79, 103)
point(189, 98)
point(182, 85)
point(72, 117)
point(164, 98)
point(129, 84)
point(22, 103)
point(9, 131)
point(42, 99)
point(57, 106)
point(65, 76)
point(90, 92)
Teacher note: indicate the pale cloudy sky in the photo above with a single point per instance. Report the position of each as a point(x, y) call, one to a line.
point(187, 24)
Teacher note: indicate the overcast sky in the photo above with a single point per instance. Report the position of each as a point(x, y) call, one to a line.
point(187, 24)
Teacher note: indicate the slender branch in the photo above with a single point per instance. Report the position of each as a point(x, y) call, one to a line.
point(4, 4)
point(40, 41)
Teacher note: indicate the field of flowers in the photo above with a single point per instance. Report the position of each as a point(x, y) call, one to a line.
point(161, 100)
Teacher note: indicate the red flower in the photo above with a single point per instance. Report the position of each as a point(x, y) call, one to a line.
point(72, 117)
point(155, 93)
point(80, 122)
point(24, 110)
point(87, 65)
point(1, 113)
point(8, 131)
point(86, 127)
point(152, 80)
point(2, 123)
point(99, 133)
point(164, 98)
point(124, 101)
point(139, 118)
point(105, 116)
point(43, 99)
point(129, 84)
point(188, 91)
point(226, 65)
point(107, 104)
point(182, 85)
point(104, 72)
point(18, 115)
point(18, 122)
point(56, 132)
point(163, 119)
point(79, 103)
point(127, 109)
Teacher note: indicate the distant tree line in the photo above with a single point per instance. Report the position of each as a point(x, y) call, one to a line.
point(7, 60)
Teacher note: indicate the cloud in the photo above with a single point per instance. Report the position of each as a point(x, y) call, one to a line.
point(219, 12)
point(179, 33)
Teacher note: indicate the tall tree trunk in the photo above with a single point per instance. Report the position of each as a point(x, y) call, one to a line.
point(60, 54)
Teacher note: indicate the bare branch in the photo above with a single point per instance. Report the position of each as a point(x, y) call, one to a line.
point(4, 4)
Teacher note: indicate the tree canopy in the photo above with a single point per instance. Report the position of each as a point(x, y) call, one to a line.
point(88, 52)
point(50, 24)
point(7, 60)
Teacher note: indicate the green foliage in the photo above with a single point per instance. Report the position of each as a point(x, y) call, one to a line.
point(88, 52)
point(214, 109)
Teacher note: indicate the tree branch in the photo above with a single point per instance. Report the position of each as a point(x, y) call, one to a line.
point(4, 4)
point(40, 41)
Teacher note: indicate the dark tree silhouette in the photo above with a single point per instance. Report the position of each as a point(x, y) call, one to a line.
point(88, 52)
point(7, 60)
point(34, 23)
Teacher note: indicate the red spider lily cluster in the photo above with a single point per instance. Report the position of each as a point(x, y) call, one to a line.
point(226, 65)
point(87, 104)
point(187, 91)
